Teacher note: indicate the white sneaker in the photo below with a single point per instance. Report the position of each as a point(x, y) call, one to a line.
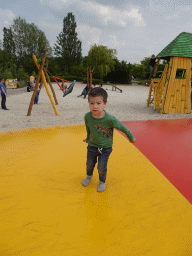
point(102, 186)
point(86, 181)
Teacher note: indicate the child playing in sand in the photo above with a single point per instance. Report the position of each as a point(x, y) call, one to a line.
point(99, 126)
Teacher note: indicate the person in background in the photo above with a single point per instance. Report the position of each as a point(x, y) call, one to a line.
point(37, 95)
point(152, 64)
point(3, 94)
point(84, 91)
point(87, 91)
point(32, 82)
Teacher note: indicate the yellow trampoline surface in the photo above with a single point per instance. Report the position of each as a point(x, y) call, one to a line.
point(45, 211)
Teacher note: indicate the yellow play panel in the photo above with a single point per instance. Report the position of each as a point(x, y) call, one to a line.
point(45, 211)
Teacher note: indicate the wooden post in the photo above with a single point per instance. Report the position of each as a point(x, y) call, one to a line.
point(150, 91)
point(49, 81)
point(88, 76)
point(45, 84)
point(63, 86)
point(36, 86)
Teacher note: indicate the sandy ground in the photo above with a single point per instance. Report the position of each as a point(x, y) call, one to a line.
point(130, 105)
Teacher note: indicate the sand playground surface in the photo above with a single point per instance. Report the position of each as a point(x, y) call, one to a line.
point(130, 105)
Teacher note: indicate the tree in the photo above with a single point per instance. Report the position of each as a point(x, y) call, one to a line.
point(22, 40)
point(145, 63)
point(121, 73)
point(7, 64)
point(138, 70)
point(29, 39)
point(101, 59)
point(21, 74)
point(78, 71)
point(8, 42)
point(67, 46)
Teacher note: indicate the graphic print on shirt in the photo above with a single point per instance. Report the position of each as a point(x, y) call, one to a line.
point(91, 137)
point(107, 132)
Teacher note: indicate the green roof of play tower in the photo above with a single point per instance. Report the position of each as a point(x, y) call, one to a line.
point(180, 46)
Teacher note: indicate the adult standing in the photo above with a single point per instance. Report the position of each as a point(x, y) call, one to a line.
point(3, 94)
point(152, 64)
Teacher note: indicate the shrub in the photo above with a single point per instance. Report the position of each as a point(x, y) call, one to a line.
point(94, 81)
point(141, 82)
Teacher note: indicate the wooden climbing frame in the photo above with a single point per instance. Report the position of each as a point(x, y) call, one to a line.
point(172, 93)
point(41, 74)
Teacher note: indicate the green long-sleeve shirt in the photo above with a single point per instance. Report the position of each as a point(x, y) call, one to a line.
point(100, 130)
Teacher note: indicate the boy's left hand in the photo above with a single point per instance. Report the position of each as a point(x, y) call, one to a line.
point(132, 141)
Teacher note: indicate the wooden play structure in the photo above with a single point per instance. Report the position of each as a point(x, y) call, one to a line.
point(172, 91)
point(43, 75)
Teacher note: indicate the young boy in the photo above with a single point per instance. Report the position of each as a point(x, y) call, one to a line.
point(99, 126)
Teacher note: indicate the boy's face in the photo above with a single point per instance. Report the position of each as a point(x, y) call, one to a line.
point(97, 105)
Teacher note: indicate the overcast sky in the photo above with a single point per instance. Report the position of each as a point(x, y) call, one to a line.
point(135, 28)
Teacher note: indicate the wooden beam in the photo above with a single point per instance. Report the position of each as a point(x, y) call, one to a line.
point(49, 81)
point(87, 76)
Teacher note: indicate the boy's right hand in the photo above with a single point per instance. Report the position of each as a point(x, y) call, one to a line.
point(85, 140)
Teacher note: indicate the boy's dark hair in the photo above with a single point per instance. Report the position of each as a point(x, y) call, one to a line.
point(94, 92)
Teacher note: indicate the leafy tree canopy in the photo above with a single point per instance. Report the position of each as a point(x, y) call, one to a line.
point(67, 46)
point(28, 39)
point(101, 59)
point(21, 40)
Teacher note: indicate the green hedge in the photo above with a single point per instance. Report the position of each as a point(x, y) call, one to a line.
point(94, 81)
point(141, 82)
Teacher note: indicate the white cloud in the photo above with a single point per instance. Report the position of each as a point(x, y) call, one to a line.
point(113, 42)
point(89, 36)
point(136, 18)
point(100, 14)
point(108, 15)
point(6, 14)
point(97, 23)
point(51, 26)
point(6, 19)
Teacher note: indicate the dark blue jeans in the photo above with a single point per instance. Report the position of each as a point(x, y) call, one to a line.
point(3, 101)
point(152, 70)
point(37, 97)
point(103, 155)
